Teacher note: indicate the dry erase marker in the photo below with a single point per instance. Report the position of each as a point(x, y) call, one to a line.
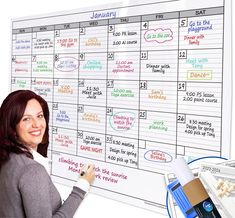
point(84, 169)
point(194, 190)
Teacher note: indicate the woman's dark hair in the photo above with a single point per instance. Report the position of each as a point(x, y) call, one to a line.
point(11, 112)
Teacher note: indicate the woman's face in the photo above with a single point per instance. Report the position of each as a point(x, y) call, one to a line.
point(31, 128)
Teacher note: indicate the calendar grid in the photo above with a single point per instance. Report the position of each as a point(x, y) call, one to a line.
point(130, 93)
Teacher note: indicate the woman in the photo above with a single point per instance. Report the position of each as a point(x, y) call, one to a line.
point(26, 188)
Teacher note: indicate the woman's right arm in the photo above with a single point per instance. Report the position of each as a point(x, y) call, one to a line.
point(40, 200)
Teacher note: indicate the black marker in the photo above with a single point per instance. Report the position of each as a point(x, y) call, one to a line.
point(82, 173)
point(84, 170)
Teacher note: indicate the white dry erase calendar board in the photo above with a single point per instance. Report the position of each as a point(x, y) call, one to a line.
point(130, 86)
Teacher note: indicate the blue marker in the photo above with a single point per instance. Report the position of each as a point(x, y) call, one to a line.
point(180, 198)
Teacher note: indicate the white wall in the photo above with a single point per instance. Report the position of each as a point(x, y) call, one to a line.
point(93, 205)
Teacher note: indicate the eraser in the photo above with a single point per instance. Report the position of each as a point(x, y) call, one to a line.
point(180, 198)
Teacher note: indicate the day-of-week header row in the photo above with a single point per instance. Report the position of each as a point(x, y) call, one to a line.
point(133, 19)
